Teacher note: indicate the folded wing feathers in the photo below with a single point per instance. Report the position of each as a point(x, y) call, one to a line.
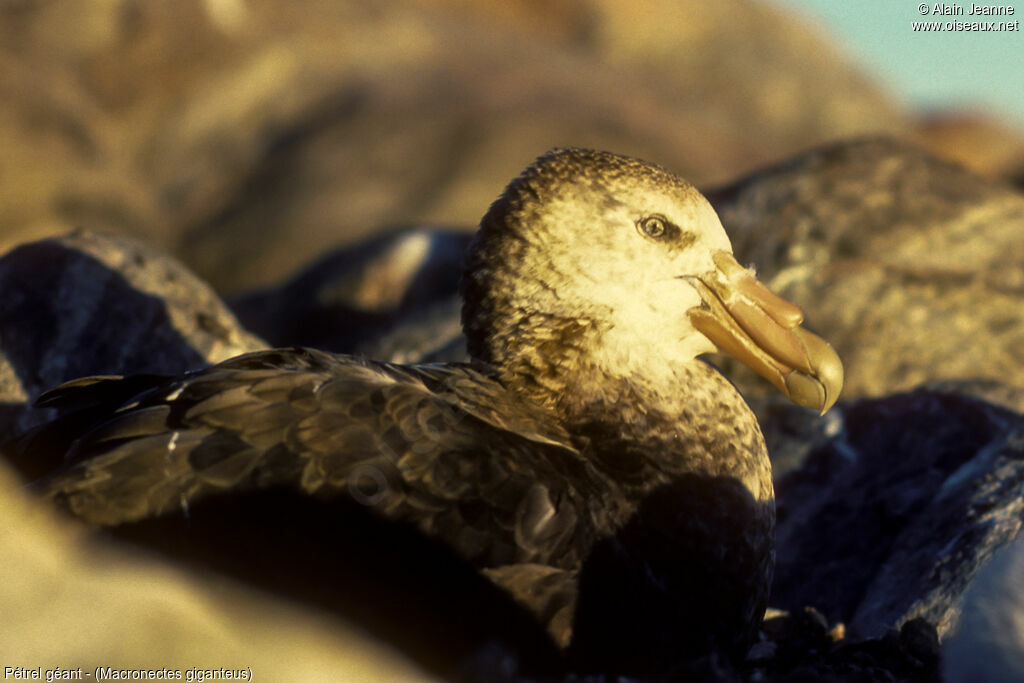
point(434, 446)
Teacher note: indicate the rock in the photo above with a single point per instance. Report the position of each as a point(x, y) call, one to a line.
point(72, 599)
point(803, 648)
point(991, 391)
point(431, 336)
point(250, 140)
point(912, 267)
point(986, 146)
point(792, 433)
point(393, 297)
point(891, 518)
point(86, 304)
point(987, 645)
point(742, 61)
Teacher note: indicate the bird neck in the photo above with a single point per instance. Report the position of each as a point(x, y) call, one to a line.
point(697, 424)
point(657, 424)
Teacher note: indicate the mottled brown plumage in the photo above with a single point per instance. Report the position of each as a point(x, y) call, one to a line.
point(586, 461)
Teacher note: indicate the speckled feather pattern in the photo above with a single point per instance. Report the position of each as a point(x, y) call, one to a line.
point(408, 441)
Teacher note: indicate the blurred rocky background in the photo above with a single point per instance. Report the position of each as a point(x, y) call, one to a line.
point(320, 165)
point(248, 137)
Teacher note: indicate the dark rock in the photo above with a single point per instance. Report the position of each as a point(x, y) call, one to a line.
point(987, 644)
point(892, 517)
point(792, 433)
point(920, 640)
point(808, 650)
point(392, 297)
point(799, 634)
point(992, 391)
point(913, 268)
point(433, 335)
point(85, 304)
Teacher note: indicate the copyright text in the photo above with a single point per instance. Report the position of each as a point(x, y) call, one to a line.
point(976, 17)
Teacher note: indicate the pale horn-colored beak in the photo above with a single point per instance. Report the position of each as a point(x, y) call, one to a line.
point(748, 321)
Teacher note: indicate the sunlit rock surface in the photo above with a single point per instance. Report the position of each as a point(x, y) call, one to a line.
point(71, 599)
point(249, 141)
point(912, 267)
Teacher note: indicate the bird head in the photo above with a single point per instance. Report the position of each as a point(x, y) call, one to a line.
point(611, 263)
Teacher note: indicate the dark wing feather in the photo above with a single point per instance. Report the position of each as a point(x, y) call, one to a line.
point(443, 447)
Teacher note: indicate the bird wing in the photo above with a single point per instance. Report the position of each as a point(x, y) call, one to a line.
point(443, 447)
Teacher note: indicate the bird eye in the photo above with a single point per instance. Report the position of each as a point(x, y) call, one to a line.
point(654, 227)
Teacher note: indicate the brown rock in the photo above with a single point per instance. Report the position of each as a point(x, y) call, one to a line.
point(250, 138)
point(979, 142)
point(910, 266)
